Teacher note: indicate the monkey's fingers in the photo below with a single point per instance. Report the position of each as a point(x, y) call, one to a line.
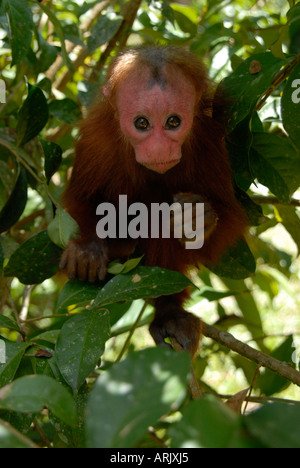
point(83, 266)
point(210, 221)
point(102, 271)
point(178, 324)
point(64, 260)
point(68, 262)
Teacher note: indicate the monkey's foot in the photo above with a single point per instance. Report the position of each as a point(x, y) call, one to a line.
point(173, 321)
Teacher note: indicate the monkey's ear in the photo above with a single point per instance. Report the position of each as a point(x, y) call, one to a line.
point(106, 90)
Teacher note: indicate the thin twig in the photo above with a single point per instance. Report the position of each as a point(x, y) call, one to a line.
point(195, 389)
point(31, 172)
point(257, 399)
point(42, 317)
point(279, 78)
point(129, 14)
point(134, 327)
point(26, 302)
point(70, 46)
point(261, 200)
point(226, 339)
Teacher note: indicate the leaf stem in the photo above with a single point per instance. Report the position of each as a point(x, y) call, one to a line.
point(134, 327)
point(31, 172)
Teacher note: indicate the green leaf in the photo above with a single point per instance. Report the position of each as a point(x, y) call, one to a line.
point(290, 104)
point(1, 259)
point(142, 282)
point(133, 395)
point(247, 305)
point(276, 164)
point(66, 110)
point(35, 260)
point(62, 228)
point(206, 423)
point(192, 14)
point(53, 157)
point(209, 293)
point(236, 263)
point(20, 27)
point(13, 355)
point(59, 31)
point(184, 22)
point(270, 383)
point(105, 28)
point(268, 175)
point(115, 267)
point(15, 204)
point(290, 220)
point(76, 293)
point(293, 17)
point(131, 264)
point(276, 425)
point(30, 394)
point(245, 88)
point(80, 344)
point(46, 54)
point(33, 115)
point(238, 145)
point(6, 322)
point(11, 438)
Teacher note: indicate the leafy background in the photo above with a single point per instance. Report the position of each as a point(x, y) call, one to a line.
point(80, 368)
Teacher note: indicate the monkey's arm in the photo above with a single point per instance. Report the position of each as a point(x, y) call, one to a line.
point(208, 223)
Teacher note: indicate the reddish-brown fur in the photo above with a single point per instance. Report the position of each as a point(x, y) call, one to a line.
point(105, 167)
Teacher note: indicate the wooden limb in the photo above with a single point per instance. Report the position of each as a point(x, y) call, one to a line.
point(70, 46)
point(279, 78)
point(129, 14)
point(261, 200)
point(228, 340)
point(194, 385)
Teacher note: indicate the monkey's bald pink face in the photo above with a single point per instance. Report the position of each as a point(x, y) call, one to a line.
point(156, 117)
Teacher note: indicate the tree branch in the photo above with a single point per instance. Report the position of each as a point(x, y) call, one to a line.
point(228, 340)
point(129, 14)
point(279, 78)
point(261, 200)
point(82, 52)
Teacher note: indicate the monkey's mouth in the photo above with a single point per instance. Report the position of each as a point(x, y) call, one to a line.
point(162, 166)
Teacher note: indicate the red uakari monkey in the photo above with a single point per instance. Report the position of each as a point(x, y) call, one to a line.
point(153, 136)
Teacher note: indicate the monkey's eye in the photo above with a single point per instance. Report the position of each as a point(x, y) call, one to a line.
point(141, 123)
point(173, 122)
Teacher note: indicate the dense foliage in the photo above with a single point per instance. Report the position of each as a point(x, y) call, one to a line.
point(77, 365)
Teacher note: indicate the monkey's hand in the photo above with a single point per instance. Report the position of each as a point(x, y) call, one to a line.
point(85, 260)
point(200, 222)
point(171, 321)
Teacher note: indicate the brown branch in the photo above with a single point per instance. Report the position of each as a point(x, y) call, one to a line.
point(194, 385)
point(129, 15)
point(82, 53)
point(261, 200)
point(226, 339)
point(279, 78)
